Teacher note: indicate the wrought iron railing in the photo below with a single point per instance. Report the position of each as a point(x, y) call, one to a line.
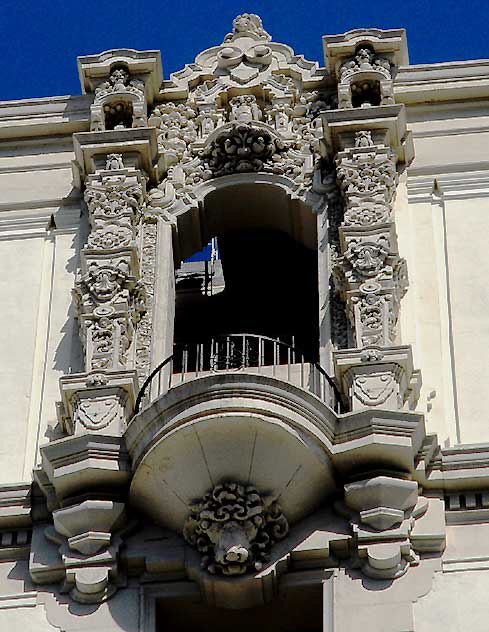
point(240, 352)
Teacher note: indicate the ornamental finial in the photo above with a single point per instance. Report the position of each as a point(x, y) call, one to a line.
point(247, 24)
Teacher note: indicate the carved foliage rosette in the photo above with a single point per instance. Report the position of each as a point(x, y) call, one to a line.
point(243, 148)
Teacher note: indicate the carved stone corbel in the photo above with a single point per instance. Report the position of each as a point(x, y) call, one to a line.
point(391, 524)
point(86, 530)
point(377, 376)
point(234, 527)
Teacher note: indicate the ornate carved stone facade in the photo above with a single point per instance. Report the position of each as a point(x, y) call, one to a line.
point(249, 120)
point(243, 469)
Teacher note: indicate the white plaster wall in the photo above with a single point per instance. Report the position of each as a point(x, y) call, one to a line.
point(361, 604)
point(22, 263)
point(58, 348)
point(443, 235)
point(456, 603)
point(424, 313)
point(29, 187)
point(38, 259)
point(467, 223)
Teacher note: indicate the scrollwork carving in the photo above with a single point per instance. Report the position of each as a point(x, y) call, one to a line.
point(177, 128)
point(145, 326)
point(367, 213)
point(243, 148)
point(114, 200)
point(119, 81)
point(367, 174)
point(110, 236)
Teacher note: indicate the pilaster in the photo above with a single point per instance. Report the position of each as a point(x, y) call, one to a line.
point(368, 141)
point(113, 164)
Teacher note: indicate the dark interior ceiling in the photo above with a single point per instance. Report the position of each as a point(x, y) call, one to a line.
point(295, 611)
point(270, 289)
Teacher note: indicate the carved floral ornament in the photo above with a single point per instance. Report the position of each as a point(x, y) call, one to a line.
point(183, 128)
point(110, 236)
point(114, 199)
point(234, 527)
point(364, 174)
point(245, 52)
point(241, 149)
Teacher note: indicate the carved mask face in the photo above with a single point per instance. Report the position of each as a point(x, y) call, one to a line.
point(242, 23)
point(232, 544)
point(119, 77)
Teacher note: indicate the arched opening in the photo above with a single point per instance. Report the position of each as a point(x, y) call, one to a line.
point(118, 115)
point(365, 92)
point(263, 282)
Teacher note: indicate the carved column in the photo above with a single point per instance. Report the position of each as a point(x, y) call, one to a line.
point(110, 299)
point(370, 144)
point(85, 475)
point(371, 276)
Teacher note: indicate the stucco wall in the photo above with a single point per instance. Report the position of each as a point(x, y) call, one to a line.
point(442, 224)
point(39, 225)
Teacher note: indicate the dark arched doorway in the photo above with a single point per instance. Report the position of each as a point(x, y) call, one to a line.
point(264, 283)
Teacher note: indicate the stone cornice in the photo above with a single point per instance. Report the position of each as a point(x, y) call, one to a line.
point(15, 505)
point(437, 83)
point(461, 182)
point(44, 116)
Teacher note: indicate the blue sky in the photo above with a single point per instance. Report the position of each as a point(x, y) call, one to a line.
point(42, 38)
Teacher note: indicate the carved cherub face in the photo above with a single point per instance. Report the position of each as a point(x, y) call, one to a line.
point(364, 55)
point(242, 23)
point(248, 22)
point(119, 75)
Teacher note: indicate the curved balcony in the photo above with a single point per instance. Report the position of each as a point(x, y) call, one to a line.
point(252, 411)
point(247, 353)
point(242, 408)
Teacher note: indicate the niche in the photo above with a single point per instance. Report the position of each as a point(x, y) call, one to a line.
point(118, 115)
point(365, 93)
